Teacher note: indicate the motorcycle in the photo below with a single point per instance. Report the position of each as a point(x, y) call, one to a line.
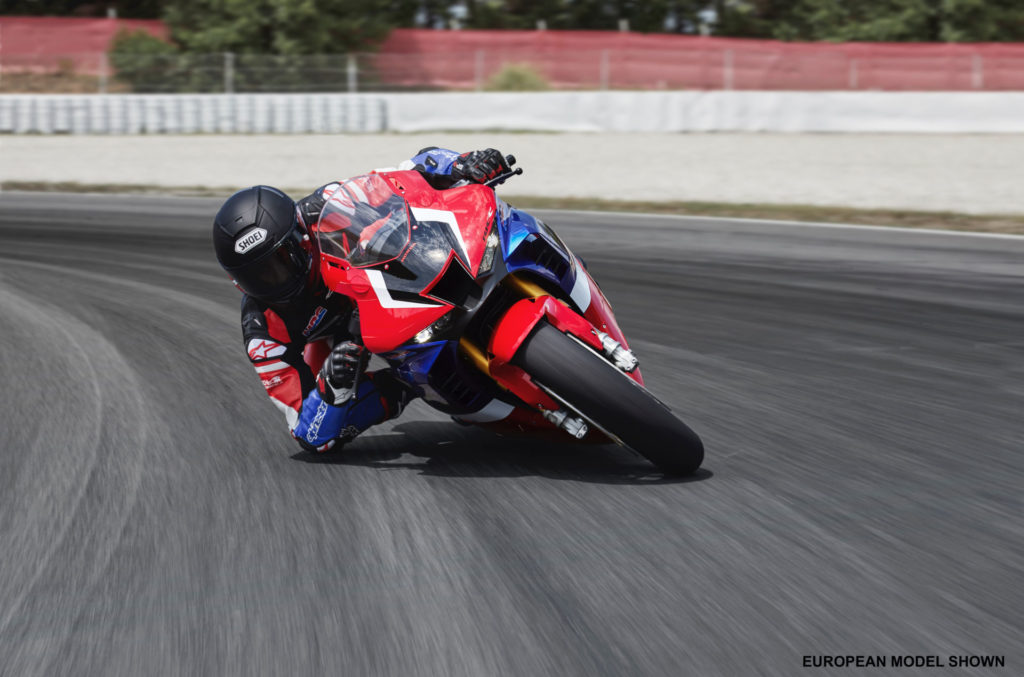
point(485, 313)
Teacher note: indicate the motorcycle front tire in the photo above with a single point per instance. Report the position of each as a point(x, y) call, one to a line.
point(609, 399)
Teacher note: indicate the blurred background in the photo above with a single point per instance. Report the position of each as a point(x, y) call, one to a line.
point(449, 45)
point(875, 104)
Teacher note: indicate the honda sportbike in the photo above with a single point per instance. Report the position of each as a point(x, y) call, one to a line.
point(485, 313)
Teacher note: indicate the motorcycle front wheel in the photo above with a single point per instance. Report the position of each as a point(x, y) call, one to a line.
point(609, 399)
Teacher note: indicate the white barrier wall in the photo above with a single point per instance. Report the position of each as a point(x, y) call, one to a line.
point(192, 113)
point(716, 111)
point(713, 111)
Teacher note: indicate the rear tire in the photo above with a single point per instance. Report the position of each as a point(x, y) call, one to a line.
point(610, 399)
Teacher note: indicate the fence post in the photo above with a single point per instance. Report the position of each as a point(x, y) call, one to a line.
point(854, 75)
point(352, 73)
point(478, 70)
point(727, 75)
point(605, 68)
point(978, 72)
point(229, 72)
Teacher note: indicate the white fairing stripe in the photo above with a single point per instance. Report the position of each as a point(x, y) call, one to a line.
point(272, 366)
point(442, 216)
point(495, 410)
point(580, 293)
point(290, 414)
point(384, 296)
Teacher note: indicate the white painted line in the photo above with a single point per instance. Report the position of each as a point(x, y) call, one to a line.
point(775, 222)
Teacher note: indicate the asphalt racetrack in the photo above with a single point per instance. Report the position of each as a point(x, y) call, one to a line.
point(860, 394)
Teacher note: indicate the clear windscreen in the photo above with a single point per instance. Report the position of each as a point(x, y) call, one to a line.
point(364, 222)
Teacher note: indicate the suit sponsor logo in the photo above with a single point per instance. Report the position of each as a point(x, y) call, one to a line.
point(261, 349)
point(269, 383)
point(250, 239)
point(314, 426)
point(314, 322)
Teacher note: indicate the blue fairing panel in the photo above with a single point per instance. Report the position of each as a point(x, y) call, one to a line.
point(529, 245)
point(416, 361)
point(436, 161)
point(436, 374)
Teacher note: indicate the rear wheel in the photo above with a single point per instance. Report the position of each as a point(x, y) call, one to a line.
point(609, 399)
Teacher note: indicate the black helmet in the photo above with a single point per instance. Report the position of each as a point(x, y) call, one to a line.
point(262, 244)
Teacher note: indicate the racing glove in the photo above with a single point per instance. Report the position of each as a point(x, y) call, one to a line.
point(479, 166)
point(339, 374)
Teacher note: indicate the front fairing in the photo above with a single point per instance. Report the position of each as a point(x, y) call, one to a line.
point(429, 254)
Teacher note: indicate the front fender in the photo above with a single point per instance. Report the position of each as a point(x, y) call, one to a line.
point(517, 324)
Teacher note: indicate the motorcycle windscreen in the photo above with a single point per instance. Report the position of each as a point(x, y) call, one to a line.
point(366, 223)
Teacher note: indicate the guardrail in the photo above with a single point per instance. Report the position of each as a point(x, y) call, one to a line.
point(937, 112)
point(192, 113)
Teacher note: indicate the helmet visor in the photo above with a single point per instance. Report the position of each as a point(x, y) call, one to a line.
point(278, 275)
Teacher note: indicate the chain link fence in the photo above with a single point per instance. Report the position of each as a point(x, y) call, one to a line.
point(509, 70)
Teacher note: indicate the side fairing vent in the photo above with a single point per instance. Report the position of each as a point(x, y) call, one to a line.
point(454, 286)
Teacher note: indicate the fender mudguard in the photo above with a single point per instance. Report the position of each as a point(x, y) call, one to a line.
point(517, 324)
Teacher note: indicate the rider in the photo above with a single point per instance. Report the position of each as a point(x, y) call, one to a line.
point(301, 338)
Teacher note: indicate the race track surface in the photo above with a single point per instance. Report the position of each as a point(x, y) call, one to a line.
point(860, 393)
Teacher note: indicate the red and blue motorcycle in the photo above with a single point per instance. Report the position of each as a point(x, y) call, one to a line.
point(486, 314)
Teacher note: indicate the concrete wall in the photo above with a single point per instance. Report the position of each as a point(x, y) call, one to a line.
point(718, 111)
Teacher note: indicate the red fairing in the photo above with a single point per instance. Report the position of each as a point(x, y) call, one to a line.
point(385, 322)
point(600, 314)
point(516, 326)
point(522, 317)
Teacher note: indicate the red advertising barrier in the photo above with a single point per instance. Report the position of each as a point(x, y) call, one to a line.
point(617, 60)
point(47, 43)
point(419, 59)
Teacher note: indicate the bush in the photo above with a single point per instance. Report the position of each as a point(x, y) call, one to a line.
point(517, 77)
point(144, 62)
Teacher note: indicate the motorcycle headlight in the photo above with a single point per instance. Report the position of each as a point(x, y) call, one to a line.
point(487, 262)
point(437, 327)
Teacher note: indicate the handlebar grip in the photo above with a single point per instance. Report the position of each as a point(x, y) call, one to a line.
point(510, 159)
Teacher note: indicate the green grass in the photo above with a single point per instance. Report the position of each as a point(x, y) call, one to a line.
point(903, 218)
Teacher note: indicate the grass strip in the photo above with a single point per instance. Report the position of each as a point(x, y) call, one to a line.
point(900, 218)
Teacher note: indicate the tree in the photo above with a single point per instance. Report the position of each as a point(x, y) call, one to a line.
point(126, 9)
point(285, 27)
point(642, 15)
point(147, 63)
point(873, 20)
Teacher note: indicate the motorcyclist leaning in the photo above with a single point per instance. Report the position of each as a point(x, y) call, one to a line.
point(301, 339)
